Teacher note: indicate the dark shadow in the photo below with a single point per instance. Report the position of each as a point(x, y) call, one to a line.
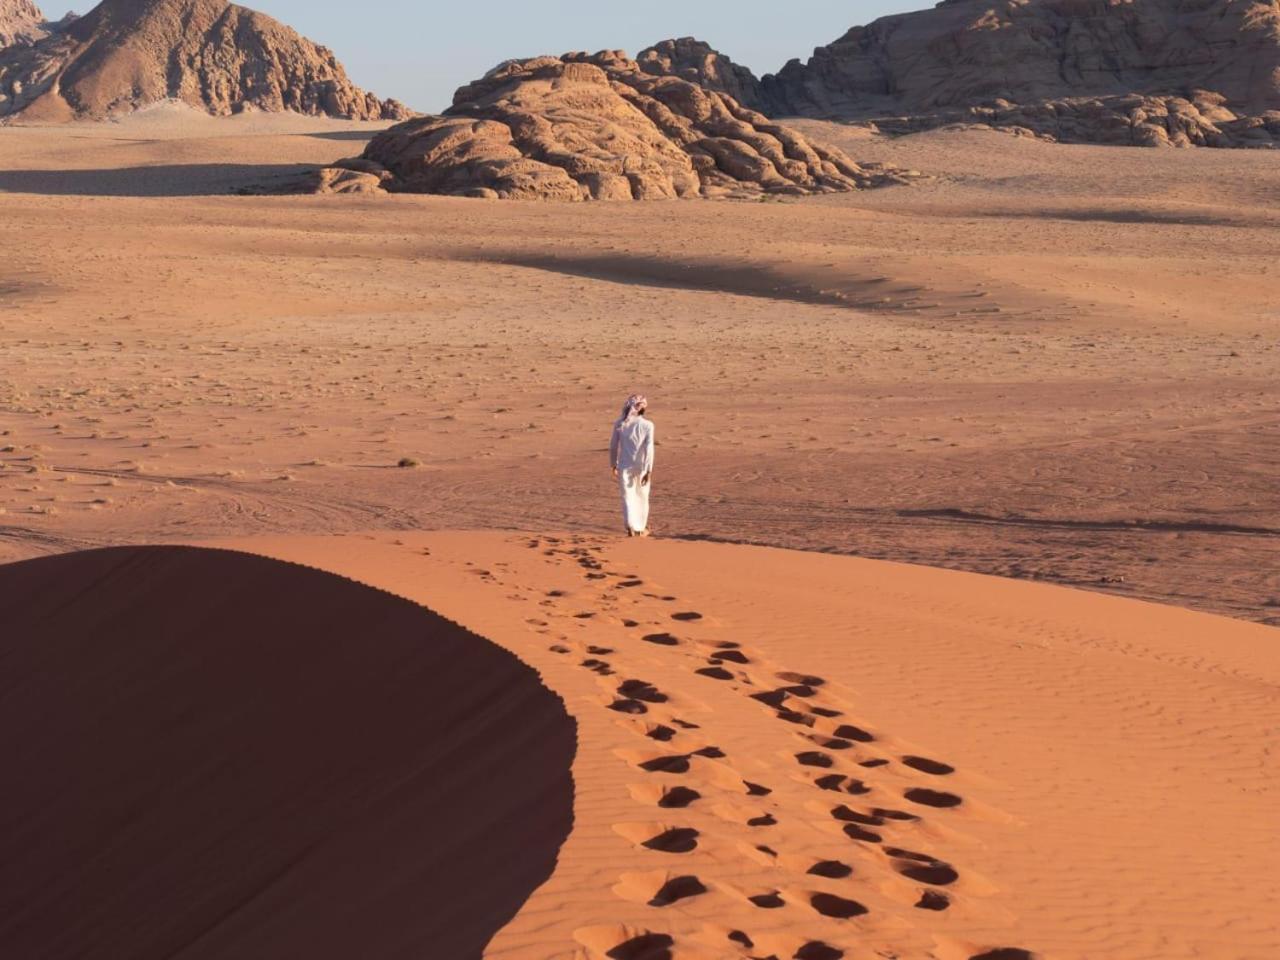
point(747, 279)
point(1132, 215)
point(165, 180)
point(215, 755)
point(360, 135)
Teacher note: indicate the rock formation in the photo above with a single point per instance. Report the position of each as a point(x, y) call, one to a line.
point(597, 127)
point(210, 54)
point(1142, 72)
point(699, 63)
point(21, 22)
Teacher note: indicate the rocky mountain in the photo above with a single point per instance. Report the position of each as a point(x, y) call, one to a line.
point(210, 54)
point(21, 22)
point(598, 127)
point(1144, 72)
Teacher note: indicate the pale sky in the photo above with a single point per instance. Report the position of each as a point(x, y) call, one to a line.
point(420, 51)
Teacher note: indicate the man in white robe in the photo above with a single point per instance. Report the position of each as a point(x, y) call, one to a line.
point(631, 457)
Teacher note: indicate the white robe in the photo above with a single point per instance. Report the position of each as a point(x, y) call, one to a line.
point(631, 454)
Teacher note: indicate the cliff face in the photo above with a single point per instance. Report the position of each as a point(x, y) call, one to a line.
point(1140, 72)
point(1136, 71)
point(210, 54)
point(598, 127)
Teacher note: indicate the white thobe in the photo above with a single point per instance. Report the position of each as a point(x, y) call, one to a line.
point(631, 454)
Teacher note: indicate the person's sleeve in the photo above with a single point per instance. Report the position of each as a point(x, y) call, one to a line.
point(648, 450)
point(613, 448)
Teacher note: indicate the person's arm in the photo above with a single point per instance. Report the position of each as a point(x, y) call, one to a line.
point(613, 451)
point(648, 453)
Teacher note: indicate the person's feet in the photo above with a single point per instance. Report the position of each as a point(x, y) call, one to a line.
point(643, 533)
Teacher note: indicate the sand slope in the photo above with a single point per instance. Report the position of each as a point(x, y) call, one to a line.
point(208, 754)
point(772, 743)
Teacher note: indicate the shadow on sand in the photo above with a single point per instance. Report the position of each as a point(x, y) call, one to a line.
point(219, 754)
point(166, 180)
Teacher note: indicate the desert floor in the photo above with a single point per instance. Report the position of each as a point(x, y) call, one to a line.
point(1051, 362)
point(1048, 363)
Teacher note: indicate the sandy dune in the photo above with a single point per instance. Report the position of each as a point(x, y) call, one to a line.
point(1051, 362)
point(209, 754)
point(797, 755)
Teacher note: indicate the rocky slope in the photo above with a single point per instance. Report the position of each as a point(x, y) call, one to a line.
point(597, 127)
point(21, 22)
point(207, 53)
point(1143, 72)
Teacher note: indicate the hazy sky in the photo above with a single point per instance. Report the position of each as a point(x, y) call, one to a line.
point(420, 51)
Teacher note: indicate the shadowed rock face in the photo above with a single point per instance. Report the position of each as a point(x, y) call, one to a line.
point(597, 127)
point(1140, 72)
point(207, 53)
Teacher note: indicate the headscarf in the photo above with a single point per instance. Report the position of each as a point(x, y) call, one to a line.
point(635, 405)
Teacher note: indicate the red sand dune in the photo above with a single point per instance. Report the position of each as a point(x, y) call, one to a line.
point(209, 754)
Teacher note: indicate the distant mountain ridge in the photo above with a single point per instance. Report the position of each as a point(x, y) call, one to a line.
point(1141, 72)
point(210, 54)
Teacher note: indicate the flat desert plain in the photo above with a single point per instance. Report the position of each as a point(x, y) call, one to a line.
point(1050, 362)
point(774, 730)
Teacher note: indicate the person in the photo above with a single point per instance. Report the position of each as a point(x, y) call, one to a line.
point(631, 458)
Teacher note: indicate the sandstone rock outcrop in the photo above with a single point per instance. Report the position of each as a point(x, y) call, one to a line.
point(1139, 72)
point(210, 54)
point(597, 127)
point(696, 61)
point(21, 22)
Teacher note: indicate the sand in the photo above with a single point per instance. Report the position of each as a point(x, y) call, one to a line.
point(1109, 759)
point(1049, 363)
point(1053, 363)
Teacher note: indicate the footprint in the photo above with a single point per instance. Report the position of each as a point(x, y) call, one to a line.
point(933, 798)
point(715, 673)
point(814, 758)
point(686, 617)
point(922, 867)
point(893, 814)
point(1005, 953)
point(846, 815)
point(855, 832)
point(647, 946)
point(826, 712)
point(598, 666)
point(795, 716)
point(627, 705)
point(732, 656)
point(677, 763)
point(805, 679)
point(641, 690)
point(830, 905)
point(660, 732)
point(677, 888)
point(836, 781)
point(675, 840)
point(847, 731)
point(678, 797)
point(933, 767)
point(756, 790)
point(817, 950)
point(832, 869)
point(768, 901)
point(662, 639)
point(932, 900)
